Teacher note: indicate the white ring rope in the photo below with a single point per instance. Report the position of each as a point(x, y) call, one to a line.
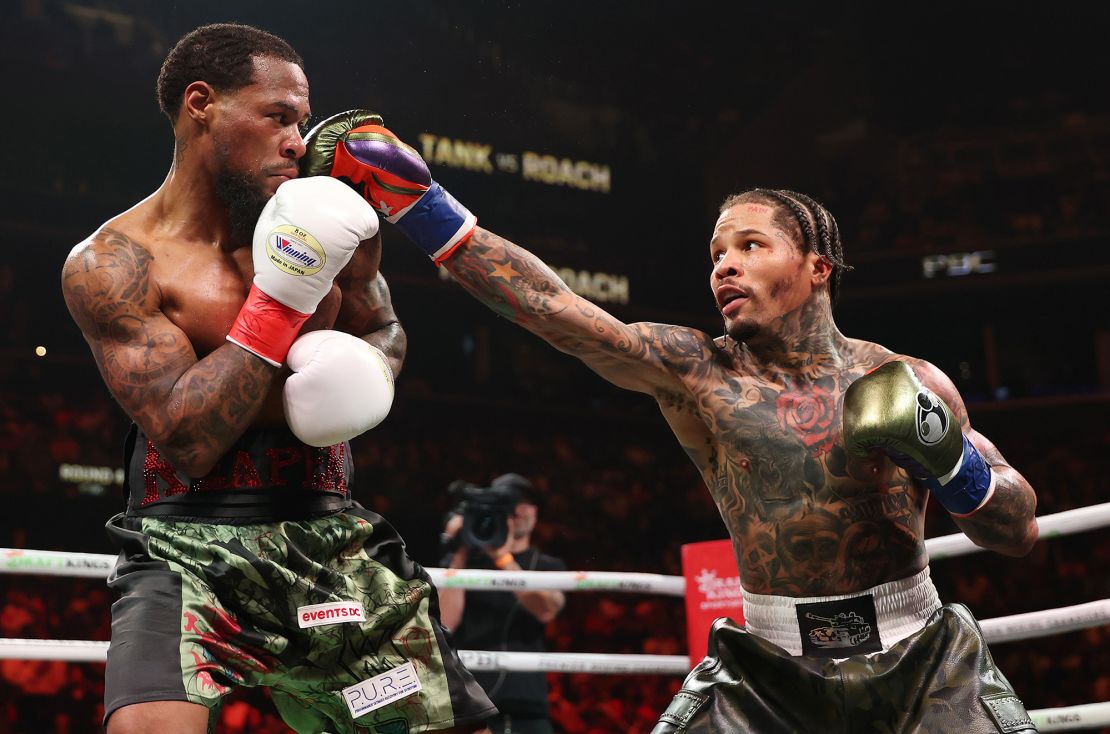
point(574, 662)
point(97, 565)
point(1070, 718)
point(92, 651)
point(999, 629)
point(55, 563)
point(1050, 526)
point(1049, 622)
point(489, 580)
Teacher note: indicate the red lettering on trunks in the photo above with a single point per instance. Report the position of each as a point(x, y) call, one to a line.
point(155, 467)
point(244, 473)
point(326, 469)
point(316, 469)
point(215, 481)
point(281, 459)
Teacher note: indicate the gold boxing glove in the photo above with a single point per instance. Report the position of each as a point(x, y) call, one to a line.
point(889, 408)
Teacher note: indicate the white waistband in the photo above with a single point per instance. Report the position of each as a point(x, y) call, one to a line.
point(902, 608)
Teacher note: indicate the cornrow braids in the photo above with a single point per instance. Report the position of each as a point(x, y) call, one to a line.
point(813, 224)
point(831, 247)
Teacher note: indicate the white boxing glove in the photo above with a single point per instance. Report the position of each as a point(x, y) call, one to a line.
point(340, 387)
point(306, 233)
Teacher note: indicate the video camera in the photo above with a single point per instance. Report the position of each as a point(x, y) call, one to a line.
point(485, 510)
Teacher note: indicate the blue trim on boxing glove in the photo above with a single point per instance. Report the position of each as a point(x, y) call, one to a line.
point(967, 489)
point(436, 223)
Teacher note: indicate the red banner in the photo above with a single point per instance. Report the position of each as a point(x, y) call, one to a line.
point(712, 591)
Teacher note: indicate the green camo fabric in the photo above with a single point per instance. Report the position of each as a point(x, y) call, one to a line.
point(241, 588)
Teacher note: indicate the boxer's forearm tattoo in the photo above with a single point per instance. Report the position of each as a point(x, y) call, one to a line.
point(508, 279)
point(519, 286)
point(368, 311)
point(1003, 524)
point(212, 403)
point(194, 410)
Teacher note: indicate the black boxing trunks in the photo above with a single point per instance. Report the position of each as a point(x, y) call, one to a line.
point(330, 614)
point(849, 674)
point(267, 475)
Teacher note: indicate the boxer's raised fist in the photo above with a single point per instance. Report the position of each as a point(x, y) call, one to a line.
point(305, 235)
point(889, 408)
point(354, 147)
point(341, 386)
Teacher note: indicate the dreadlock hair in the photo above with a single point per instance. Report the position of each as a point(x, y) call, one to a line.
point(219, 54)
point(797, 213)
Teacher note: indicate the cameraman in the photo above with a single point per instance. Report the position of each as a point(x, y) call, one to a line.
point(504, 620)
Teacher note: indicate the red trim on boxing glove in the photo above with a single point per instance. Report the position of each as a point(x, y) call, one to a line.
point(266, 327)
point(389, 193)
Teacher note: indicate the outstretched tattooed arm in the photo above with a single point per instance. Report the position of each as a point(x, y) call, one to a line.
point(193, 410)
point(1007, 523)
point(519, 286)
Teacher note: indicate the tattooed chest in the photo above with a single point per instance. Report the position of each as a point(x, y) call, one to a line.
point(806, 517)
point(774, 446)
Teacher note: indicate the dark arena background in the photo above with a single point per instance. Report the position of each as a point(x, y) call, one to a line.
point(964, 149)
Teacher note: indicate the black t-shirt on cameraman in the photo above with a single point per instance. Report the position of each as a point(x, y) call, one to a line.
point(496, 620)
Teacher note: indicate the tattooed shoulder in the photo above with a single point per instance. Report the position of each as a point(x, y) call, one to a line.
point(940, 383)
point(866, 356)
point(683, 349)
point(107, 271)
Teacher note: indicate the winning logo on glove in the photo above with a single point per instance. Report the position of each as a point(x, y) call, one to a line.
point(295, 251)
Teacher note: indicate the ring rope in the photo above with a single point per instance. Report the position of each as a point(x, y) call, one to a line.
point(1048, 622)
point(1072, 718)
point(97, 565)
point(996, 630)
point(94, 651)
point(1050, 526)
point(999, 629)
point(489, 580)
point(1069, 718)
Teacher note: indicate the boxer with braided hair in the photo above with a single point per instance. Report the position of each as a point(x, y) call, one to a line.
point(820, 451)
point(796, 212)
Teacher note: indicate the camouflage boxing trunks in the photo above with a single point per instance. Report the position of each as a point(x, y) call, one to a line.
point(939, 680)
point(330, 614)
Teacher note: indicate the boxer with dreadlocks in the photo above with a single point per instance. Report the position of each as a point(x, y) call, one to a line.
point(819, 449)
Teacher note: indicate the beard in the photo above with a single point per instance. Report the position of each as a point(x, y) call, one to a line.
point(742, 330)
point(244, 200)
